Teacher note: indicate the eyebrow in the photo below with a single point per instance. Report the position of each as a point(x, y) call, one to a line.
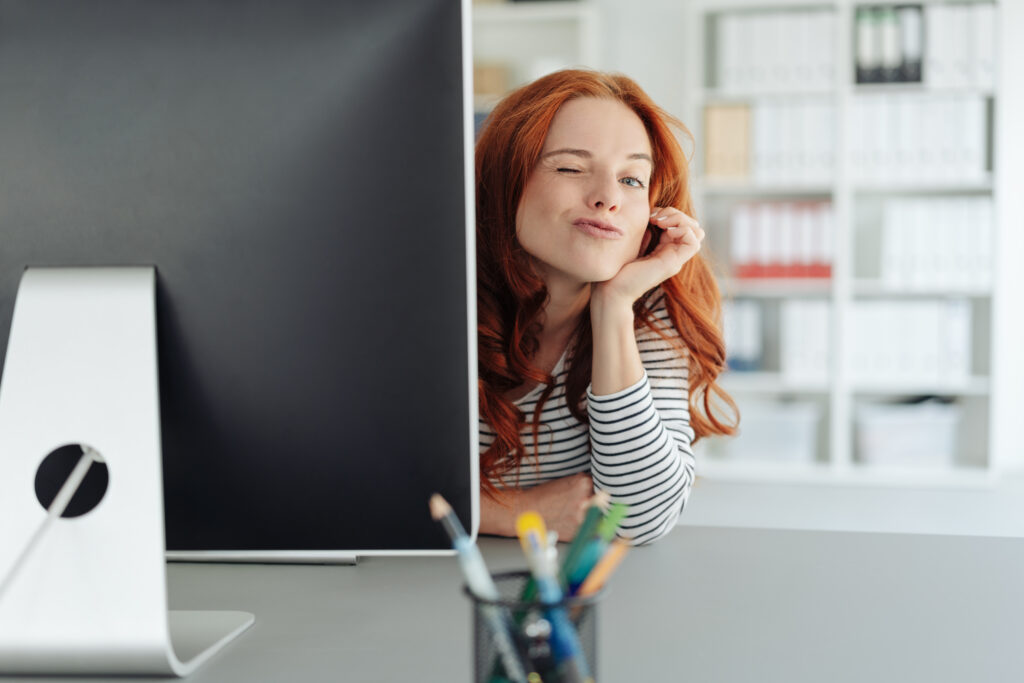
point(587, 155)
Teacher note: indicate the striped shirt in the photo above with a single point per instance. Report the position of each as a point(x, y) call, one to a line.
point(637, 446)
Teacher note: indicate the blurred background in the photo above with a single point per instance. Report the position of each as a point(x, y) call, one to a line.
point(853, 166)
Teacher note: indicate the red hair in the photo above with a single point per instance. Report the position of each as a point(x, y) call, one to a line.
point(511, 296)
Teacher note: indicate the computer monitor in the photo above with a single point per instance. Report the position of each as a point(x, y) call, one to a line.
point(299, 175)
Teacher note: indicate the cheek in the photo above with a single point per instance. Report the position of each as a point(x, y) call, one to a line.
point(639, 220)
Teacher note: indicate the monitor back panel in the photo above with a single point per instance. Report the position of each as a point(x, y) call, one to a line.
point(295, 171)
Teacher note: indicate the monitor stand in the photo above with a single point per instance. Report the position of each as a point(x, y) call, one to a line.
point(88, 594)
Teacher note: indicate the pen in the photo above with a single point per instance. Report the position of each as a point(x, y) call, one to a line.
point(564, 638)
point(480, 583)
point(596, 547)
point(598, 576)
point(604, 568)
point(595, 511)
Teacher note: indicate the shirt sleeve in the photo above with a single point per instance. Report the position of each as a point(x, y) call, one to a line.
point(641, 440)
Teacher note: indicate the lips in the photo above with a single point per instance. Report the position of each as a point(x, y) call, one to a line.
point(596, 228)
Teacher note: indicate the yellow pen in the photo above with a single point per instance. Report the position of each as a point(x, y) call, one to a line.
point(565, 640)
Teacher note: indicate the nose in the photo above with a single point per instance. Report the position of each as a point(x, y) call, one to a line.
point(604, 193)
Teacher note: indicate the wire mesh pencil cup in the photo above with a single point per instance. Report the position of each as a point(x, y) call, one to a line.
point(530, 628)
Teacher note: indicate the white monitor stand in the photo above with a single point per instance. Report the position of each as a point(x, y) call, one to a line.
point(88, 594)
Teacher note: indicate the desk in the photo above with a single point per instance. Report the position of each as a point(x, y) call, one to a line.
point(704, 605)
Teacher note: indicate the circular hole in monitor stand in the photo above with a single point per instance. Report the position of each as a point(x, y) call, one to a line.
point(54, 471)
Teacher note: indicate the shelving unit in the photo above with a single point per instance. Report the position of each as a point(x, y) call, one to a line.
point(520, 41)
point(989, 436)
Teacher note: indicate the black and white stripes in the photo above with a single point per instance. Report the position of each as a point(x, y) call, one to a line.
point(637, 446)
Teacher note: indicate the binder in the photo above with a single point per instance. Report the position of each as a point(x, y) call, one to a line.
point(911, 43)
point(727, 141)
point(869, 58)
point(767, 241)
point(984, 45)
point(742, 242)
point(961, 233)
point(975, 137)
point(726, 51)
point(955, 337)
point(889, 48)
point(982, 253)
point(960, 33)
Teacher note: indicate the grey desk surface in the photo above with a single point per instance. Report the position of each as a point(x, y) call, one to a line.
point(703, 605)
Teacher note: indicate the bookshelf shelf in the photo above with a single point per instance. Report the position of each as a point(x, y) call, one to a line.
point(728, 188)
point(771, 383)
point(714, 95)
point(973, 386)
point(919, 89)
point(530, 12)
point(874, 288)
point(726, 469)
point(902, 187)
point(775, 288)
point(856, 474)
point(516, 42)
point(888, 181)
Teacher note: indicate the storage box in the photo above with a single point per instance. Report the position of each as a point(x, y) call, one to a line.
point(907, 434)
point(773, 431)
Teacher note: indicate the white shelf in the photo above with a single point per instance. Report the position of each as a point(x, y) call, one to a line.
point(980, 185)
point(972, 386)
point(773, 288)
point(770, 383)
point(716, 6)
point(721, 469)
point(876, 288)
point(504, 13)
point(730, 95)
point(747, 188)
point(923, 89)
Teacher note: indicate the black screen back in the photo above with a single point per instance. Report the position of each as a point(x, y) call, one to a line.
point(295, 171)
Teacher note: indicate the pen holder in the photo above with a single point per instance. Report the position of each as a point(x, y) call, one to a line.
point(530, 625)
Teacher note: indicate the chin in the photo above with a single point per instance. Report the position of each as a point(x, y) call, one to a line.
point(586, 268)
point(601, 273)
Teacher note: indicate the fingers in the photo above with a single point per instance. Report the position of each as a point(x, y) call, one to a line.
point(678, 226)
point(671, 217)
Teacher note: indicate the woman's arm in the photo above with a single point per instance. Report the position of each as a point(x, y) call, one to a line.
point(641, 449)
point(561, 502)
point(641, 440)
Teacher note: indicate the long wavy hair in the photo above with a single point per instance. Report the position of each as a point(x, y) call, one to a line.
point(511, 296)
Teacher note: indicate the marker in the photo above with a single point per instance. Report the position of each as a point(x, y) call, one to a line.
point(596, 547)
point(482, 585)
point(587, 531)
point(565, 640)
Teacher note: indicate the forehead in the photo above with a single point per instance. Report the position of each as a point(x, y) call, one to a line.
point(600, 126)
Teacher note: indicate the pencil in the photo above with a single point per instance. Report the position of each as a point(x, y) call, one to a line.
point(604, 568)
point(481, 584)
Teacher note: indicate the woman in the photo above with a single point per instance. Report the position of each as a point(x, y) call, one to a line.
point(598, 334)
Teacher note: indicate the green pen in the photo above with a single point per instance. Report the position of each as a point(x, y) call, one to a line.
point(595, 547)
point(586, 533)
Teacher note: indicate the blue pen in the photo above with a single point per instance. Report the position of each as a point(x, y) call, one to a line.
point(480, 582)
point(565, 641)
